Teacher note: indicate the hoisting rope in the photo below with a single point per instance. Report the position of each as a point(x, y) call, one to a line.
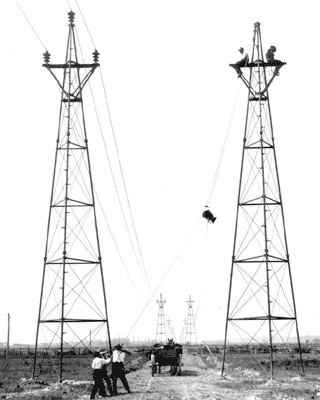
point(164, 276)
point(144, 273)
point(200, 292)
point(223, 148)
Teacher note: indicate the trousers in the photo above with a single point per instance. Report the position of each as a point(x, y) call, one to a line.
point(98, 384)
point(118, 371)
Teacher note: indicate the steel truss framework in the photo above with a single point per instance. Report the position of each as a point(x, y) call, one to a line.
point(183, 331)
point(191, 335)
point(161, 334)
point(73, 305)
point(261, 311)
point(170, 329)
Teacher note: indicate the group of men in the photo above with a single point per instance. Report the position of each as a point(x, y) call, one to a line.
point(100, 373)
point(269, 58)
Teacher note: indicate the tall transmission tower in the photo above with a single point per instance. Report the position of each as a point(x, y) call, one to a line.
point(261, 309)
point(73, 305)
point(191, 336)
point(161, 335)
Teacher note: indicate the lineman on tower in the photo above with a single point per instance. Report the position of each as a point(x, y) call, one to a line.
point(270, 59)
point(243, 62)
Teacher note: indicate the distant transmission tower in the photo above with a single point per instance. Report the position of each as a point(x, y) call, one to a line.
point(183, 331)
point(170, 330)
point(191, 336)
point(73, 305)
point(261, 310)
point(161, 324)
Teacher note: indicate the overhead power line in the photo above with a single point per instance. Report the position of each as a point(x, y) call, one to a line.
point(31, 26)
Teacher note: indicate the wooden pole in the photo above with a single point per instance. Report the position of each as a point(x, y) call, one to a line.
point(8, 337)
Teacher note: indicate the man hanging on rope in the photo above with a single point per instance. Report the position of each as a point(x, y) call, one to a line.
point(207, 214)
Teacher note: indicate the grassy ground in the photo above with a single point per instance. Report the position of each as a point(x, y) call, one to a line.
point(16, 371)
point(251, 377)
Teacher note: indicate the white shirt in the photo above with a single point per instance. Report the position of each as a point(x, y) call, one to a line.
point(118, 356)
point(98, 362)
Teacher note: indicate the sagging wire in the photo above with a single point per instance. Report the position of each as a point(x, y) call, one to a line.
point(223, 148)
point(117, 191)
point(31, 26)
point(145, 275)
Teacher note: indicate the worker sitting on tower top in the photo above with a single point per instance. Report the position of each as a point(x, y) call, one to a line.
point(243, 62)
point(270, 59)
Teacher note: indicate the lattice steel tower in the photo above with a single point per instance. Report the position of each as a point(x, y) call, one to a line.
point(170, 330)
point(261, 310)
point(183, 331)
point(161, 335)
point(191, 336)
point(73, 305)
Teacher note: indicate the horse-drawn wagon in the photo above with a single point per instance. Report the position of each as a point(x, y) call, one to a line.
point(166, 355)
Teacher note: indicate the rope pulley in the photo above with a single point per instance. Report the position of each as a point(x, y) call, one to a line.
point(207, 214)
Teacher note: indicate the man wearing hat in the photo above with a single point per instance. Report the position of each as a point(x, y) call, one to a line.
point(97, 364)
point(118, 370)
point(243, 62)
point(104, 354)
point(270, 59)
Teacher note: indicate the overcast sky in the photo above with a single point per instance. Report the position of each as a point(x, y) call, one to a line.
point(171, 93)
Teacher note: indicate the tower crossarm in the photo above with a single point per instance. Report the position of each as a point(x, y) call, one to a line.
point(263, 318)
point(68, 320)
point(259, 95)
point(72, 96)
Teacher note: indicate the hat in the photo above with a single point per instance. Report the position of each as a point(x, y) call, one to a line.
point(102, 351)
point(118, 347)
point(241, 48)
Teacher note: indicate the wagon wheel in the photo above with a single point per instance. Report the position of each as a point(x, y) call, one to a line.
point(153, 364)
point(180, 364)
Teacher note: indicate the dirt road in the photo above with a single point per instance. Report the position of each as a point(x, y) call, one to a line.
point(199, 382)
point(196, 382)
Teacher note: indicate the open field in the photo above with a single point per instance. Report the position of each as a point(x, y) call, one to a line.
point(200, 379)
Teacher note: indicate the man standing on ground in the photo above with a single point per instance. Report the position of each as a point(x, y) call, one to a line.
point(118, 370)
point(97, 363)
point(104, 354)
